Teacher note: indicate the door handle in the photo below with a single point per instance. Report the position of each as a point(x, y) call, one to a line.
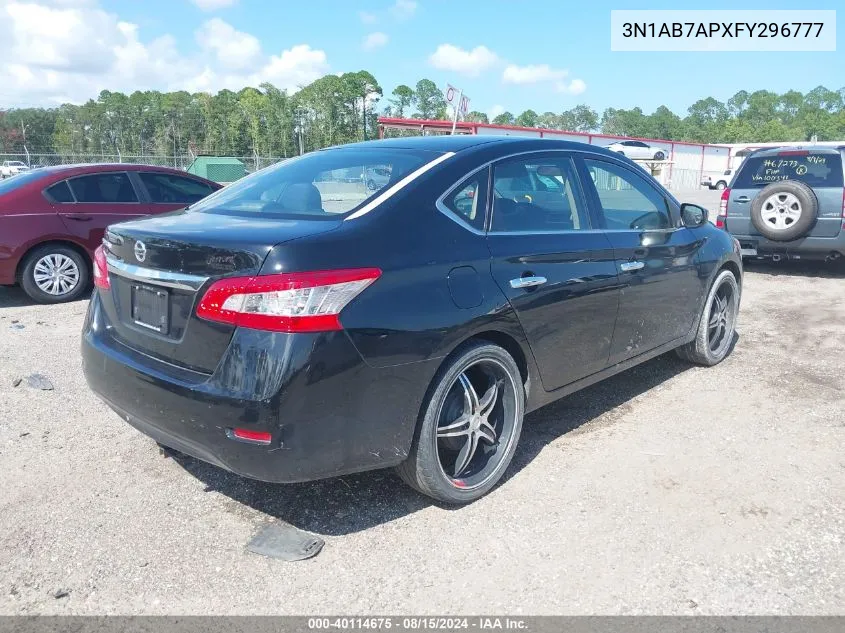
point(631, 266)
point(527, 282)
point(80, 217)
point(742, 199)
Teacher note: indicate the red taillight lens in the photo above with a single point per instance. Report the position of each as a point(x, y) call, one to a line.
point(288, 302)
point(101, 269)
point(723, 208)
point(794, 152)
point(252, 437)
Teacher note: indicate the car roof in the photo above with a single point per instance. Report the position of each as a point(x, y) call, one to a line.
point(93, 168)
point(462, 142)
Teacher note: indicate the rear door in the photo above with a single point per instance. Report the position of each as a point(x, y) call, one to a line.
point(822, 171)
point(656, 258)
point(99, 200)
point(168, 192)
point(553, 265)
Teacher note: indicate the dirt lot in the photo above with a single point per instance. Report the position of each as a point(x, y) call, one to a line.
point(668, 489)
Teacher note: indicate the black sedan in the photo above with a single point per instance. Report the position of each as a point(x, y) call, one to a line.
point(299, 324)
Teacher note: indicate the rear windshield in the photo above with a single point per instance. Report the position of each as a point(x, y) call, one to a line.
point(321, 185)
point(813, 169)
point(9, 184)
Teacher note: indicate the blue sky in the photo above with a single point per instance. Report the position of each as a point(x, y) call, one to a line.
point(176, 42)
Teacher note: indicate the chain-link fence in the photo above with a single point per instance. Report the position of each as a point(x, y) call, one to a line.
point(252, 163)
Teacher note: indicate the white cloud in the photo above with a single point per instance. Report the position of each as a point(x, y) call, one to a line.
point(456, 59)
point(574, 87)
point(374, 41)
point(532, 74)
point(367, 17)
point(495, 111)
point(69, 50)
point(233, 48)
point(214, 5)
point(404, 9)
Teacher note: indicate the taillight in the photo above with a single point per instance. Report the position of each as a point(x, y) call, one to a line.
point(101, 269)
point(287, 302)
point(723, 208)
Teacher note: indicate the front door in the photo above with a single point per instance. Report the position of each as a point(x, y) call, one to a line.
point(660, 291)
point(556, 269)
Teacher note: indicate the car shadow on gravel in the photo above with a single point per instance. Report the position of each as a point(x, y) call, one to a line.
point(352, 503)
point(15, 297)
point(797, 268)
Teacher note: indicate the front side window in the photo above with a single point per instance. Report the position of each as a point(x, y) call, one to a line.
point(532, 194)
point(172, 189)
point(627, 201)
point(325, 184)
point(106, 187)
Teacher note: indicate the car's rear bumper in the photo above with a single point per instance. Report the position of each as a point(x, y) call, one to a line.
point(328, 412)
point(805, 248)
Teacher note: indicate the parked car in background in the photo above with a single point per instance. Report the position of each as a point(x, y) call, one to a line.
point(718, 182)
point(637, 149)
point(376, 177)
point(287, 336)
point(11, 168)
point(52, 219)
point(788, 203)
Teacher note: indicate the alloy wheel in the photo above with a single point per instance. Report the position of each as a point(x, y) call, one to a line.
point(781, 210)
point(56, 274)
point(721, 320)
point(476, 423)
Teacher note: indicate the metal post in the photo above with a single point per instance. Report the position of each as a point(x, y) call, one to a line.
point(457, 108)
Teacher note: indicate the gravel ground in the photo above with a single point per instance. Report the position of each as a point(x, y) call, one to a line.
point(668, 489)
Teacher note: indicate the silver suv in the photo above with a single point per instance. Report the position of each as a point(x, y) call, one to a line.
point(788, 203)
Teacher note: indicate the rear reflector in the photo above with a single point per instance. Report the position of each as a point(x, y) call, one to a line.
point(252, 437)
point(287, 302)
point(101, 269)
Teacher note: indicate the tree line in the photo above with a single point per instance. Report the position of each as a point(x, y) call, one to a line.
point(268, 121)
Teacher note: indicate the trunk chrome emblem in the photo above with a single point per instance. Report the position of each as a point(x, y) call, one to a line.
point(140, 251)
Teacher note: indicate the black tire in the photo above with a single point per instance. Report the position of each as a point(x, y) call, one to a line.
point(703, 350)
point(371, 185)
point(424, 469)
point(659, 156)
point(762, 205)
point(30, 286)
point(721, 185)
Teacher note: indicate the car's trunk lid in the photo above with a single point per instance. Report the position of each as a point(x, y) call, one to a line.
point(159, 268)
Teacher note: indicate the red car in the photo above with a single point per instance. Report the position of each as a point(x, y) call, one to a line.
point(52, 219)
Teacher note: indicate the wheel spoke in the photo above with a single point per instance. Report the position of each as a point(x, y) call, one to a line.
point(466, 454)
point(488, 400)
point(455, 429)
point(470, 397)
point(487, 432)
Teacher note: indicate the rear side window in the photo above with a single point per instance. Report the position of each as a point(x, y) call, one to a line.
point(327, 184)
point(168, 188)
point(467, 200)
point(813, 169)
point(60, 192)
point(95, 188)
point(537, 195)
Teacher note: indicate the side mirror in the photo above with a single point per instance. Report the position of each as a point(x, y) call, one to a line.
point(693, 215)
